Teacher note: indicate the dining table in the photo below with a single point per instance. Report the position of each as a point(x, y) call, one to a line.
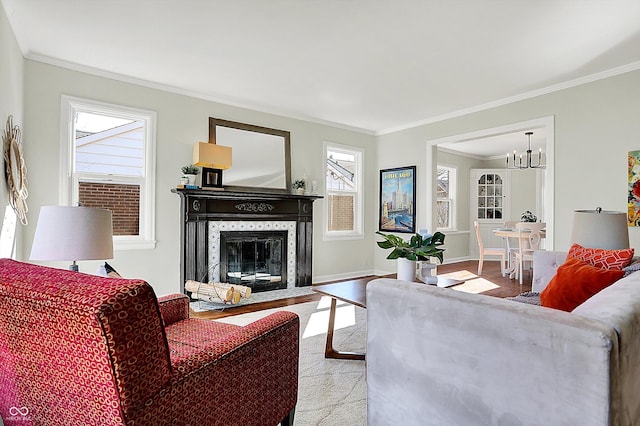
point(508, 233)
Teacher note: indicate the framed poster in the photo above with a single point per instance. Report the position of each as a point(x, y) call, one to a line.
point(633, 199)
point(398, 200)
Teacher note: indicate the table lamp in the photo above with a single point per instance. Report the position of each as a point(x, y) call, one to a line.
point(600, 229)
point(213, 159)
point(73, 233)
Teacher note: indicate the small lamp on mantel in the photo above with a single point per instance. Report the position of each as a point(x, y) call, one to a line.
point(600, 229)
point(73, 233)
point(213, 159)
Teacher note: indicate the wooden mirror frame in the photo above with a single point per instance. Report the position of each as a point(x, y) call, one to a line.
point(216, 122)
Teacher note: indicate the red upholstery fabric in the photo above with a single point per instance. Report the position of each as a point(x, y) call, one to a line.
point(174, 308)
point(601, 258)
point(80, 349)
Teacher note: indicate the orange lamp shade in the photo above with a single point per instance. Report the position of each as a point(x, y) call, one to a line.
point(210, 155)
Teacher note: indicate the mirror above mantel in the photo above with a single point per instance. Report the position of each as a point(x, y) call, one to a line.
point(261, 156)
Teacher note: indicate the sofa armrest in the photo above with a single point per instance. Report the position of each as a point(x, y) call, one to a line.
point(545, 264)
point(173, 308)
point(453, 357)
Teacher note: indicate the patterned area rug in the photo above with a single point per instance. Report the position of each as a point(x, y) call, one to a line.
point(263, 296)
point(330, 392)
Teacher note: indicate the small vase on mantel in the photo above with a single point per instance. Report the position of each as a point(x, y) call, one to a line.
point(406, 269)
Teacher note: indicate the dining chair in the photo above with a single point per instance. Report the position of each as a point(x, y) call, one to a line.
point(511, 243)
point(489, 251)
point(528, 242)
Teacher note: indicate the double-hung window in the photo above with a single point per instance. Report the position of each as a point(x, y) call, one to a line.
point(446, 198)
point(343, 190)
point(108, 155)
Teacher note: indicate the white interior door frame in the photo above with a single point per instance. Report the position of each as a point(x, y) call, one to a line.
point(547, 198)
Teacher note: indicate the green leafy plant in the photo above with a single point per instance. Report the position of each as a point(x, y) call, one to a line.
point(190, 170)
point(299, 184)
point(528, 217)
point(417, 248)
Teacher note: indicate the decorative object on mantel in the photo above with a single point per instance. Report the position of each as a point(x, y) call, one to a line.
point(527, 162)
point(15, 171)
point(418, 248)
point(213, 159)
point(527, 216)
point(73, 233)
point(599, 228)
point(299, 186)
point(189, 172)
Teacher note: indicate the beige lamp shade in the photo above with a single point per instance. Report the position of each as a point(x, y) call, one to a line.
point(600, 229)
point(210, 155)
point(73, 233)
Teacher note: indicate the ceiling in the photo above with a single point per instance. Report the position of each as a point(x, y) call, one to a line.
point(369, 65)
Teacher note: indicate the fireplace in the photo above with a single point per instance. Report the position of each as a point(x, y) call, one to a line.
point(207, 216)
point(254, 259)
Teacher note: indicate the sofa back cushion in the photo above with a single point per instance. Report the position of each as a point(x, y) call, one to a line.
point(84, 348)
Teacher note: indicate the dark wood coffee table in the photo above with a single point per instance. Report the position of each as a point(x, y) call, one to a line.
point(353, 292)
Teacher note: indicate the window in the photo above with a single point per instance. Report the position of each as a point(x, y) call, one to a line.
point(446, 198)
point(343, 184)
point(108, 153)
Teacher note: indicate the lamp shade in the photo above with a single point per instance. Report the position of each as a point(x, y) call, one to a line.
point(210, 155)
point(73, 233)
point(600, 229)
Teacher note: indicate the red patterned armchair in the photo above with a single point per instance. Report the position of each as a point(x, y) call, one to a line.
point(76, 349)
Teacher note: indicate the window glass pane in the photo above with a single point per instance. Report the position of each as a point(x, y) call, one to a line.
point(443, 183)
point(123, 201)
point(341, 212)
point(341, 171)
point(443, 208)
point(108, 145)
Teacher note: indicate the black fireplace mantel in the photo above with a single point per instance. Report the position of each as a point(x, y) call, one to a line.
point(199, 206)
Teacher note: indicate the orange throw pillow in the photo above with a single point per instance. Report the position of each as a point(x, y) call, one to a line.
point(601, 258)
point(574, 282)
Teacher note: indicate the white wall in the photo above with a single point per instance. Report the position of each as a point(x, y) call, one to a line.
point(182, 121)
point(596, 124)
point(11, 103)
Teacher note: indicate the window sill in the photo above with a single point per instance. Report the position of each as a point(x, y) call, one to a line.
point(122, 245)
point(342, 237)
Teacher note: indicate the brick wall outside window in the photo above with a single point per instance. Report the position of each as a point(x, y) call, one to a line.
point(340, 212)
point(123, 201)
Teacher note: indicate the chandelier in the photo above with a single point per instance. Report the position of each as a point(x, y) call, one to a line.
point(525, 161)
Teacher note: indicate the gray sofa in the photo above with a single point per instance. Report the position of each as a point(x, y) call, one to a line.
point(437, 356)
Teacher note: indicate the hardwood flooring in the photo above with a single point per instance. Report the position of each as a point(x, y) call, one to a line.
point(491, 279)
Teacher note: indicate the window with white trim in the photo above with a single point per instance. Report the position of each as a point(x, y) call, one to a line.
point(446, 198)
point(343, 192)
point(108, 153)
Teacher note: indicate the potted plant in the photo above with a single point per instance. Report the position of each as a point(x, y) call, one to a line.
point(299, 185)
point(527, 216)
point(418, 248)
point(190, 171)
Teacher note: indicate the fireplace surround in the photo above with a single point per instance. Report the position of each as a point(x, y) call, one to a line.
point(205, 214)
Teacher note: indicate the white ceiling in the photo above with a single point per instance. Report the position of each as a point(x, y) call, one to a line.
point(370, 65)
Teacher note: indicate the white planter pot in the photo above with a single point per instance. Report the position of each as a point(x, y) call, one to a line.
point(192, 179)
point(406, 269)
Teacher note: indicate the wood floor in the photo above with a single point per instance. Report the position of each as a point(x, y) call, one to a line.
point(504, 287)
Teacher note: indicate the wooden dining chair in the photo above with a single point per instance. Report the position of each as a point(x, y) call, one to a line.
point(489, 251)
point(528, 242)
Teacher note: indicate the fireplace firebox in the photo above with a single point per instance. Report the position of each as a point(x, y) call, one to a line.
point(254, 259)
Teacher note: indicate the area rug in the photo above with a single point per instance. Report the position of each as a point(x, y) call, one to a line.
point(330, 392)
point(263, 296)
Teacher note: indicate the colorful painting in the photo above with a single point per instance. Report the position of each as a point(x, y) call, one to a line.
point(633, 201)
point(398, 199)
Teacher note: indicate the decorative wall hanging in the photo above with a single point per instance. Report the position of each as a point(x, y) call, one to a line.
point(15, 171)
point(398, 199)
point(633, 200)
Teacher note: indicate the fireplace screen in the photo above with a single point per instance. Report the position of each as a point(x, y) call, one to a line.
point(254, 259)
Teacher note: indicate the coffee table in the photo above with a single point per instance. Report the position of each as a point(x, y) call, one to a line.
point(353, 292)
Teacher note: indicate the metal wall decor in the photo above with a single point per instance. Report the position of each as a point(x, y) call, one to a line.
point(15, 171)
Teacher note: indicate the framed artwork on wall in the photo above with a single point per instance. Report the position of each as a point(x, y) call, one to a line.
point(633, 199)
point(398, 200)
